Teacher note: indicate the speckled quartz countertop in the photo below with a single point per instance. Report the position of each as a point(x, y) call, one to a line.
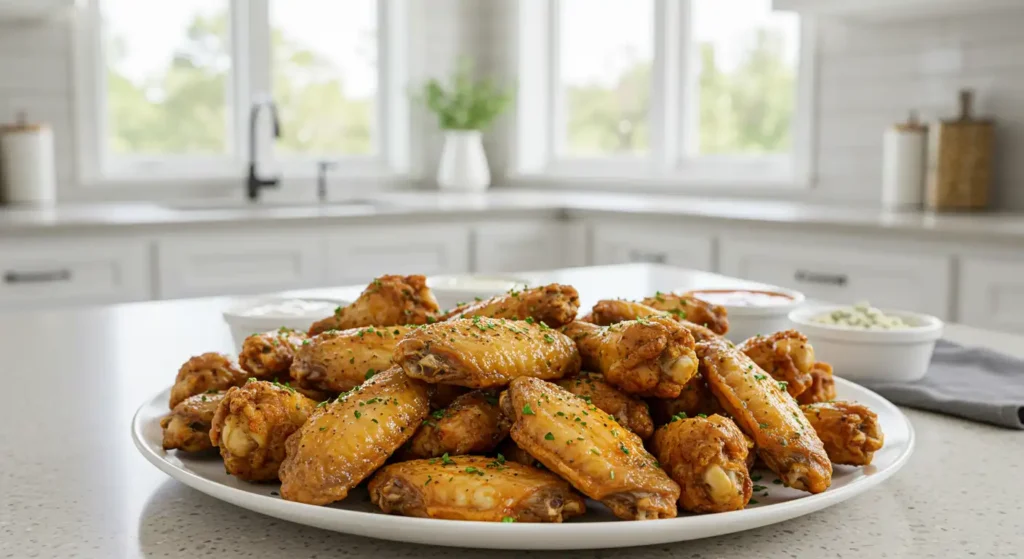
point(73, 485)
point(506, 202)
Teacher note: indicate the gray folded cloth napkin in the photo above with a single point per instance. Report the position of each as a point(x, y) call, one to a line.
point(969, 382)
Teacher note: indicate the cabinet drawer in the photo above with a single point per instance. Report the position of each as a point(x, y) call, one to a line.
point(844, 274)
point(622, 244)
point(359, 255)
point(534, 245)
point(67, 272)
point(992, 294)
point(239, 262)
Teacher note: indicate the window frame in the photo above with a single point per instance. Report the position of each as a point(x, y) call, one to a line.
point(666, 165)
point(249, 80)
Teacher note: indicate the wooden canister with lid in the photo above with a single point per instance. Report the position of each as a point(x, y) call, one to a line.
point(960, 161)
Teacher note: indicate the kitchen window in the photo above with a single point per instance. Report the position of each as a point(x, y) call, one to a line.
point(165, 89)
point(673, 93)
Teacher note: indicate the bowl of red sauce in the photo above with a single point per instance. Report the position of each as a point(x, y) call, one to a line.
point(753, 311)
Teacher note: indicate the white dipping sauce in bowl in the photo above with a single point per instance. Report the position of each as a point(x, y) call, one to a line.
point(262, 314)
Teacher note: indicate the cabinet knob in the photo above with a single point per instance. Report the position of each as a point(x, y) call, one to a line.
point(804, 276)
point(41, 276)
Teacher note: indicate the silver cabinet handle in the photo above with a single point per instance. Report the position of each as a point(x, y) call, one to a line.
point(804, 276)
point(42, 276)
point(651, 257)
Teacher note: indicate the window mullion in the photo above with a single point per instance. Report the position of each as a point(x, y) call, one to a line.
point(664, 109)
point(688, 92)
point(393, 127)
point(257, 87)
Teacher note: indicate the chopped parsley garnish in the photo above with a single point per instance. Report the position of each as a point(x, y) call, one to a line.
point(374, 420)
point(595, 451)
point(549, 339)
point(623, 448)
point(560, 413)
point(428, 481)
point(678, 417)
point(438, 414)
point(357, 414)
point(370, 373)
point(704, 415)
point(323, 428)
point(508, 519)
point(759, 376)
point(549, 437)
point(777, 481)
point(529, 320)
point(446, 460)
point(753, 501)
point(527, 410)
point(472, 470)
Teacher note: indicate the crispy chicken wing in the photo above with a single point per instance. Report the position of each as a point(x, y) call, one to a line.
point(554, 305)
point(485, 352)
point(188, 426)
point(648, 356)
point(630, 412)
point(612, 311)
point(696, 398)
point(340, 360)
point(850, 431)
point(251, 425)
point(473, 424)
point(474, 488)
point(347, 439)
point(707, 457)
point(787, 356)
point(209, 371)
point(387, 301)
point(688, 307)
point(823, 386)
point(590, 449)
point(269, 355)
point(763, 410)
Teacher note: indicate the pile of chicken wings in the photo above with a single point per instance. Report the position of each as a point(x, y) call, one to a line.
point(512, 409)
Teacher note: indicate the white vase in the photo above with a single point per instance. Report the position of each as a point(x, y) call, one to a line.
point(463, 162)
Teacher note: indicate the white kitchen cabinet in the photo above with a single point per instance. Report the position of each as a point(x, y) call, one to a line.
point(622, 243)
point(528, 245)
point(69, 271)
point(882, 10)
point(358, 254)
point(237, 262)
point(992, 294)
point(894, 278)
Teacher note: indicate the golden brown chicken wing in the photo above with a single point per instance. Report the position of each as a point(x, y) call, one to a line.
point(345, 440)
point(473, 424)
point(688, 307)
point(763, 410)
point(696, 398)
point(474, 488)
point(340, 360)
point(630, 412)
point(707, 457)
point(590, 449)
point(648, 356)
point(613, 311)
point(209, 371)
point(554, 305)
point(251, 425)
point(188, 426)
point(269, 355)
point(787, 356)
point(850, 431)
point(387, 301)
point(823, 386)
point(485, 352)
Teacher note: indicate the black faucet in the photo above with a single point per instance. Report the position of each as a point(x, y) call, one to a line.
point(255, 184)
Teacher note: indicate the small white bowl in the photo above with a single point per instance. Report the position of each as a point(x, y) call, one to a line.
point(746, 321)
point(452, 290)
point(243, 323)
point(900, 355)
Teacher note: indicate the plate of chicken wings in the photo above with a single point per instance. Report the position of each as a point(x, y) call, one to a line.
point(516, 423)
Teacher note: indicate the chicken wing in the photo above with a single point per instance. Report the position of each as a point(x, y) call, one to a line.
point(850, 431)
point(763, 410)
point(554, 305)
point(823, 386)
point(612, 311)
point(695, 399)
point(473, 424)
point(485, 352)
point(345, 440)
point(787, 356)
point(648, 356)
point(387, 301)
point(340, 360)
point(630, 412)
point(251, 425)
point(589, 449)
point(707, 457)
point(474, 488)
point(188, 426)
point(688, 307)
point(511, 451)
point(269, 355)
point(209, 371)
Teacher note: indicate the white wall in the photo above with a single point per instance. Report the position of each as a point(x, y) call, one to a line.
point(869, 76)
